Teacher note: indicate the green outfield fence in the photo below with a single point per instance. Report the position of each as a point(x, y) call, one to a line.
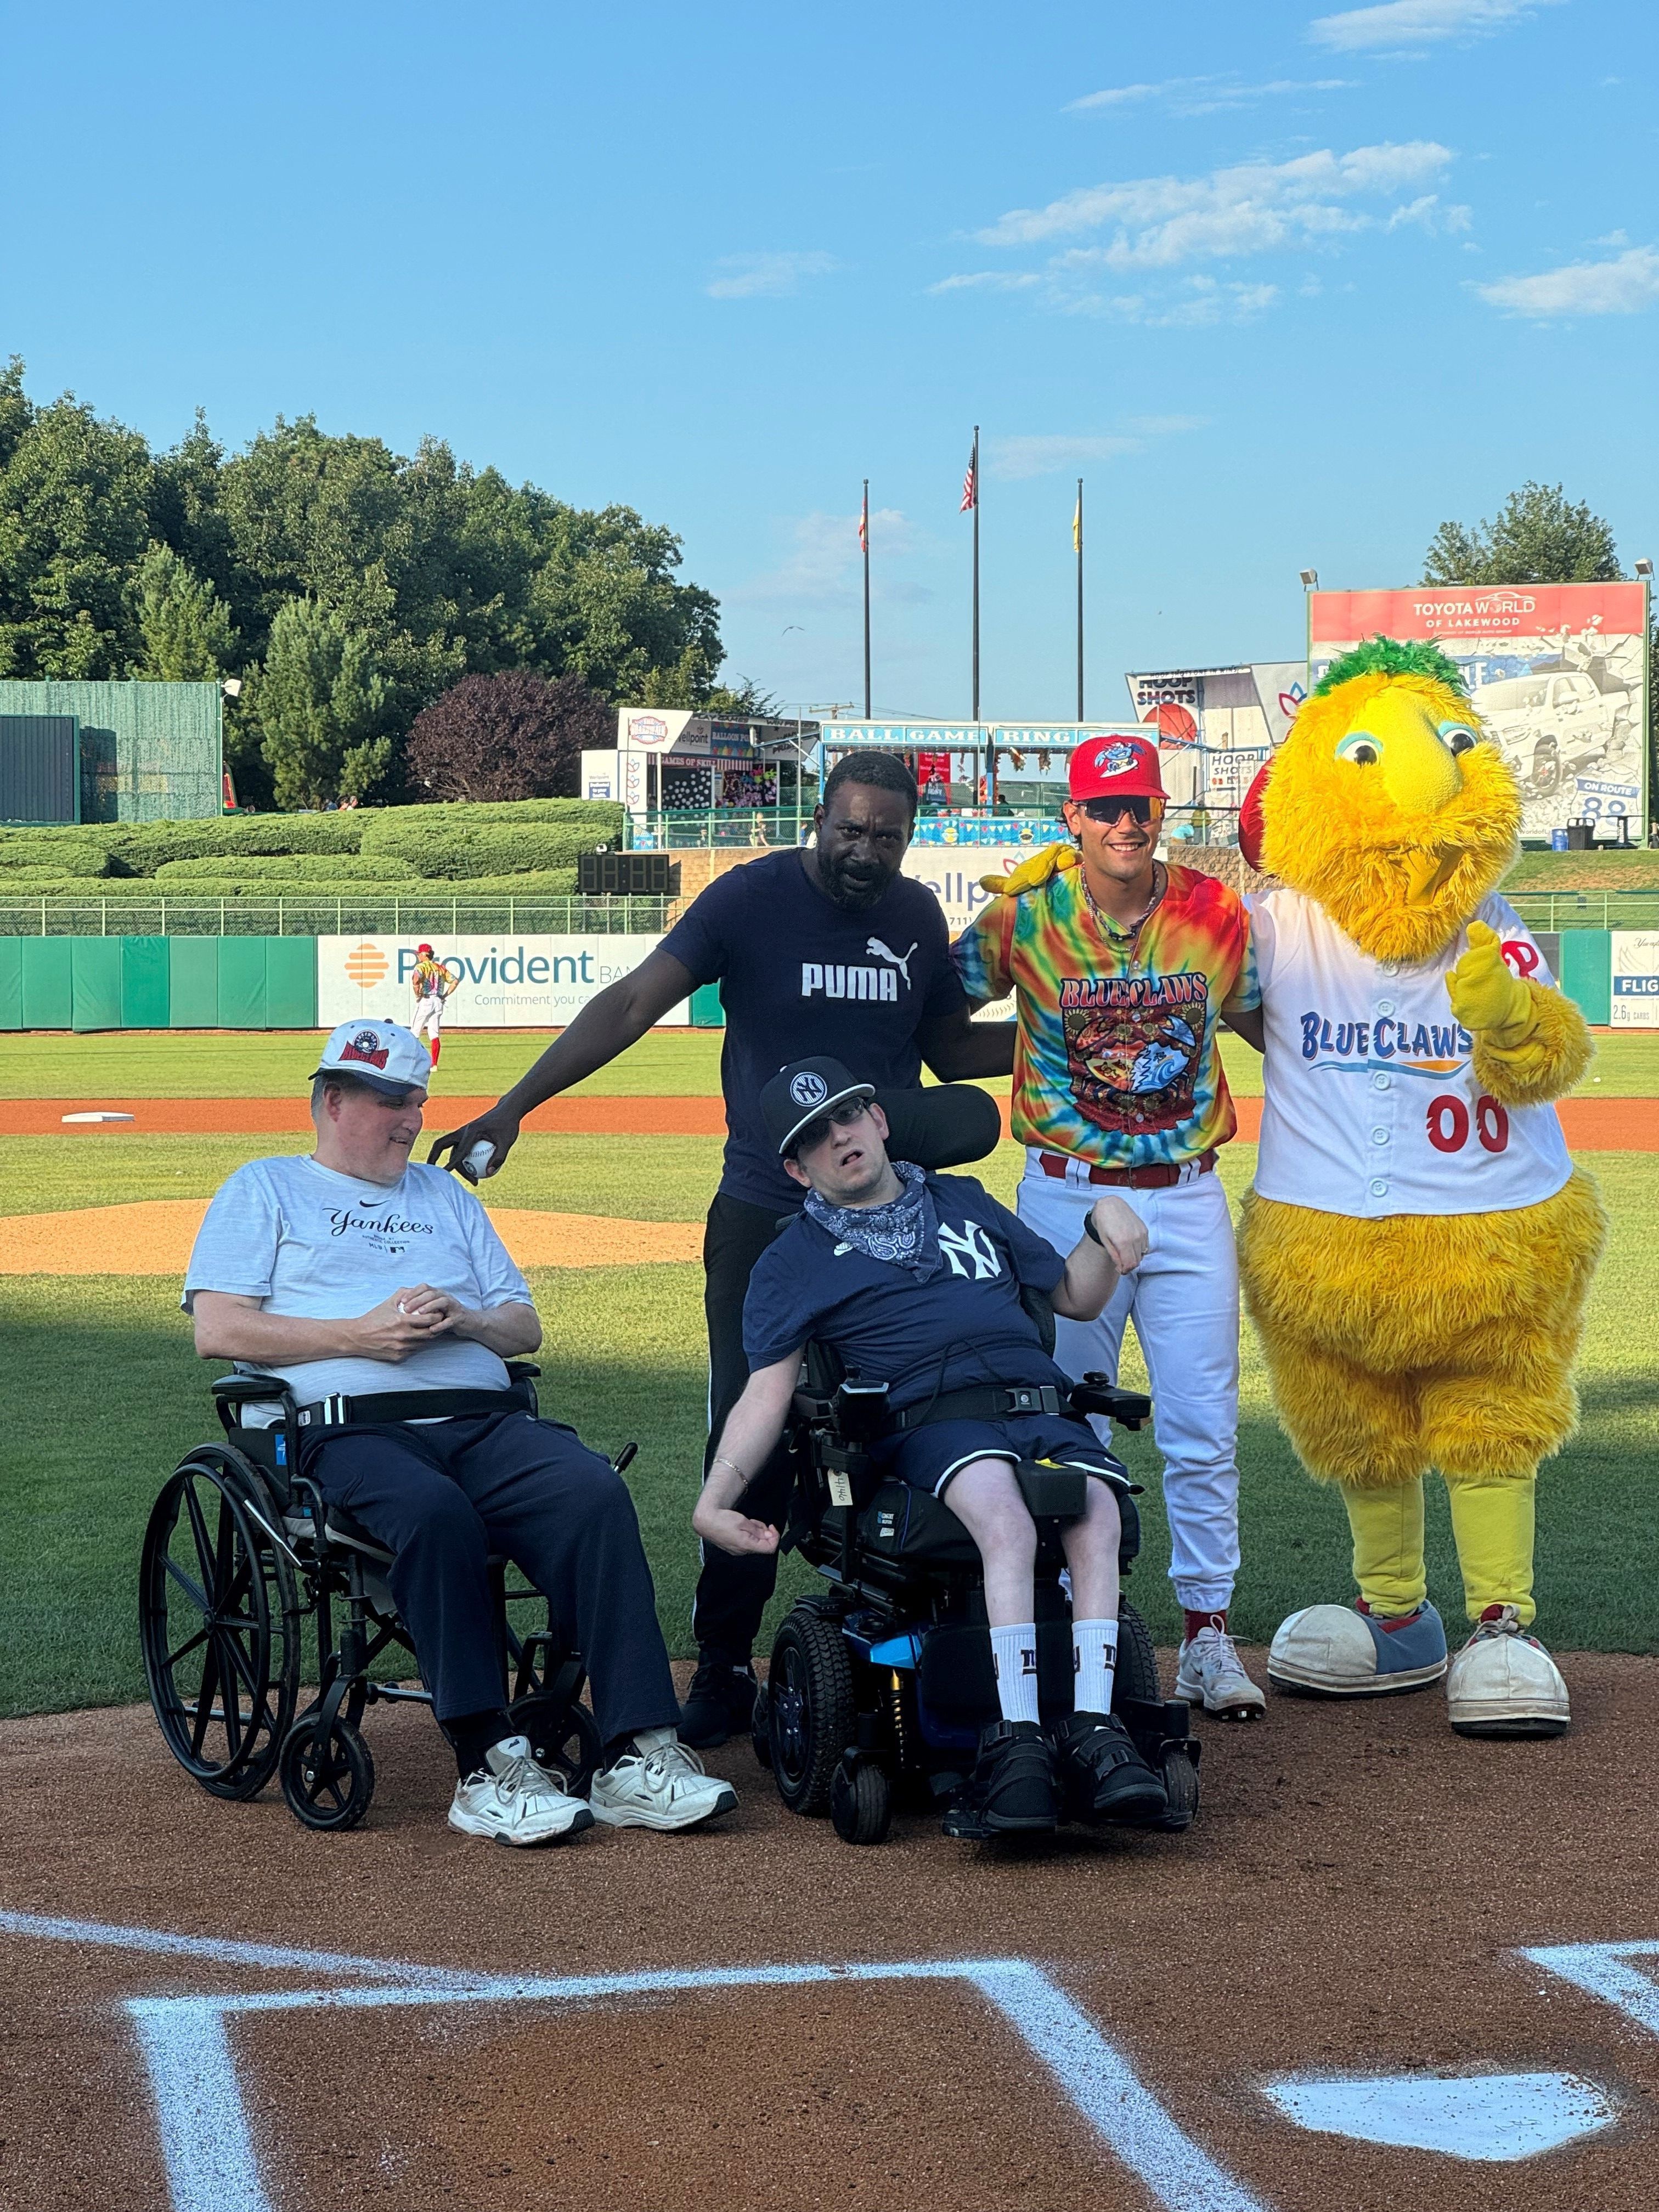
point(138, 983)
point(135, 913)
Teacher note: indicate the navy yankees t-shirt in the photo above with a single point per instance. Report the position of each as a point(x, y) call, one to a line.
point(799, 974)
point(964, 1324)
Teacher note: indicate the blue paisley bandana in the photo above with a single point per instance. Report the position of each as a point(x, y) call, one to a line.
point(904, 1231)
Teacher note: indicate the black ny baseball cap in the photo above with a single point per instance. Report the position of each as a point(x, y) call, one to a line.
point(802, 1091)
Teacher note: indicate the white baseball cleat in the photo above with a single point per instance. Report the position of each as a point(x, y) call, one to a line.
point(512, 1800)
point(1338, 1651)
point(1503, 1682)
point(659, 1785)
point(1210, 1672)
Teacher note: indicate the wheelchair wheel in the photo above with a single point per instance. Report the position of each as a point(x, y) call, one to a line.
point(565, 1735)
point(1136, 1673)
point(861, 1803)
point(1180, 1779)
point(219, 1626)
point(760, 1727)
point(813, 1717)
point(327, 1782)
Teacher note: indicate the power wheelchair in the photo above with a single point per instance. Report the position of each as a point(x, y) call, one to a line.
point(243, 1573)
point(878, 1687)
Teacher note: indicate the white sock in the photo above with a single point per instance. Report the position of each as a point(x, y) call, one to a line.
point(1094, 1660)
point(1013, 1654)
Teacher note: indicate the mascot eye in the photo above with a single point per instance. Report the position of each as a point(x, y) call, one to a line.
point(1458, 737)
point(1360, 747)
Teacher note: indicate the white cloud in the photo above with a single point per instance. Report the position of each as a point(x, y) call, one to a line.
point(1414, 23)
point(1161, 222)
point(988, 280)
point(1013, 459)
point(766, 275)
point(1199, 301)
point(1202, 96)
point(1623, 286)
point(1427, 213)
point(821, 569)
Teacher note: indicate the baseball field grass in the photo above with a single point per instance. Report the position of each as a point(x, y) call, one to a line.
point(104, 1392)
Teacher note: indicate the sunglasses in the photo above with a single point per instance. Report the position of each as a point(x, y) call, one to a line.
point(839, 1117)
point(1142, 810)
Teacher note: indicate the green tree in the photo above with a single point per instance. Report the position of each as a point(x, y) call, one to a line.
point(319, 702)
point(1539, 536)
point(74, 526)
point(184, 623)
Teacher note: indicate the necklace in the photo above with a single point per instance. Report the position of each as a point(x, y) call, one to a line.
point(1160, 880)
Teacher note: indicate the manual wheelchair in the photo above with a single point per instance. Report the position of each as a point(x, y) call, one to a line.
point(878, 1687)
point(244, 1566)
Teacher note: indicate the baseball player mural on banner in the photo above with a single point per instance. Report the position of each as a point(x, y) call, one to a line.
point(431, 982)
point(1123, 969)
point(1418, 1247)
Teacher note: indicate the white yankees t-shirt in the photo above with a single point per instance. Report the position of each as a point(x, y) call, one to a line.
point(304, 1240)
point(1371, 1104)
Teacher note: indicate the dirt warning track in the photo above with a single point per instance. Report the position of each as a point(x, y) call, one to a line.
point(1592, 1125)
point(1370, 1919)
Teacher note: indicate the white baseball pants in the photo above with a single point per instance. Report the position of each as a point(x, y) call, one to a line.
point(1183, 1300)
point(428, 1015)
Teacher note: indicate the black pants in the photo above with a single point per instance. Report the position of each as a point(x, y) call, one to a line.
point(443, 1496)
point(937, 1128)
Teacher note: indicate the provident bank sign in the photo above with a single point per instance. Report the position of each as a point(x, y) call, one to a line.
point(495, 983)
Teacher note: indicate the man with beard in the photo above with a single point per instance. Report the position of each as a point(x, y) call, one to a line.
point(827, 950)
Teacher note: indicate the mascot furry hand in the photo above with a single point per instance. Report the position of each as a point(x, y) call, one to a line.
point(1417, 1246)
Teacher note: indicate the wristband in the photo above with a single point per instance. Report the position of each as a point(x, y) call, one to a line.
point(1089, 1229)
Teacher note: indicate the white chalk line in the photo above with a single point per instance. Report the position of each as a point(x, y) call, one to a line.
point(212, 2161)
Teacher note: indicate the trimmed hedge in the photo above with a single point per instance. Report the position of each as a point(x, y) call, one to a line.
point(299, 869)
point(65, 858)
point(481, 849)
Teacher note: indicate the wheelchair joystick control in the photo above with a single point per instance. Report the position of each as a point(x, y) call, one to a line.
point(860, 1409)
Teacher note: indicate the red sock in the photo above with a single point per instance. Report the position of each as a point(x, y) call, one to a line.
point(436, 1048)
point(1197, 1622)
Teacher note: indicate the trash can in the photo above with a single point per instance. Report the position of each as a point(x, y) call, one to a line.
point(1581, 835)
point(1558, 840)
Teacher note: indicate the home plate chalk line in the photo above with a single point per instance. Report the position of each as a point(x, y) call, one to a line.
point(152, 1236)
point(213, 2163)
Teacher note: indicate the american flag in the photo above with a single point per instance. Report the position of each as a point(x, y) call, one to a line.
point(864, 523)
point(970, 482)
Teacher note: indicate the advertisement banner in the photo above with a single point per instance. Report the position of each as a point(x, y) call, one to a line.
point(1635, 980)
point(497, 983)
point(1222, 709)
point(1559, 673)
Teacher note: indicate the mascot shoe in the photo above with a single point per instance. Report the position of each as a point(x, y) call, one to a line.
point(1503, 1682)
point(1339, 1651)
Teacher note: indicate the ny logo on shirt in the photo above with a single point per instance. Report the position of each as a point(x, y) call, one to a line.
point(969, 1243)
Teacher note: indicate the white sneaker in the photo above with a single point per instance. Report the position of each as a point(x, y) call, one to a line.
point(659, 1785)
point(514, 1800)
point(1503, 1682)
point(1210, 1672)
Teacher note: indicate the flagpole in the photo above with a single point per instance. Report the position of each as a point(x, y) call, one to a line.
point(1079, 598)
point(976, 713)
point(866, 534)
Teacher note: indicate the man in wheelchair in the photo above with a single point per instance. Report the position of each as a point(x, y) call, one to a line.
point(914, 1279)
point(376, 1289)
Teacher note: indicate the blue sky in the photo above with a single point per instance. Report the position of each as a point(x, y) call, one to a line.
point(1286, 287)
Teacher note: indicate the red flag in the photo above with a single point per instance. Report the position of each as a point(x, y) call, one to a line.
point(864, 527)
point(970, 482)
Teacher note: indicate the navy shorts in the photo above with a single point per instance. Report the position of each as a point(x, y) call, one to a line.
point(928, 1456)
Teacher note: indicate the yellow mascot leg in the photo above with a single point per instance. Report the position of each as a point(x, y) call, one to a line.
point(1493, 1523)
point(1348, 1426)
point(1388, 1545)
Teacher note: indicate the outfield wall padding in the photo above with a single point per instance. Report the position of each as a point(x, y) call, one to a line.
point(95, 983)
point(193, 982)
point(1587, 973)
point(145, 997)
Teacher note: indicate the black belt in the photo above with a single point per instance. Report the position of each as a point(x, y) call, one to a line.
point(340, 1412)
point(985, 1402)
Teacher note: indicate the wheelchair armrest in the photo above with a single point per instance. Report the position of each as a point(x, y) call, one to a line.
point(241, 1389)
point(1095, 1395)
point(860, 1410)
point(522, 1371)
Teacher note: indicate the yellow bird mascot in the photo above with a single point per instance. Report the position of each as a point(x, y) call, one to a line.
point(1417, 1246)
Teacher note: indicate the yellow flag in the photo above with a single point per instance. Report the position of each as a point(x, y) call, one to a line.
point(1077, 526)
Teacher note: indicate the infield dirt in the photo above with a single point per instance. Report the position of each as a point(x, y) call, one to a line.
point(1353, 1899)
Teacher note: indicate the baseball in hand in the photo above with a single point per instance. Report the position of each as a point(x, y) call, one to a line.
point(480, 1156)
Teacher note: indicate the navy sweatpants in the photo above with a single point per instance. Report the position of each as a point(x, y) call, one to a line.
point(443, 1495)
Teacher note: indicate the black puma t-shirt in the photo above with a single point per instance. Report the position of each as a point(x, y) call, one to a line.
point(799, 974)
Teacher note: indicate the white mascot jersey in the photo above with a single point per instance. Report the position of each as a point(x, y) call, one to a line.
point(1371, 1104)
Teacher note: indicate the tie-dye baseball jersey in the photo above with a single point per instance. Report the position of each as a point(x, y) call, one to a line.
point(1115, 1058)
